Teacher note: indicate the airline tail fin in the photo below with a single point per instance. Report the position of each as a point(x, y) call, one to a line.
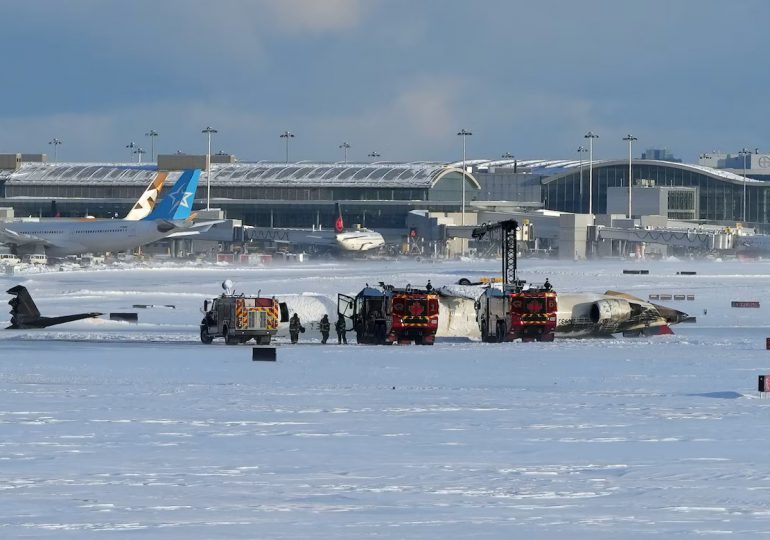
point(22, 305)
point(178, 203)
point(339, 224)
point(147, 201)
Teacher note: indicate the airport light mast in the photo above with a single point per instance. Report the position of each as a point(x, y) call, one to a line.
point(463, 133)
point(630, 138)
point(374, 155)
point(590, 136)
point(55, 142)
point(152, 134)
point(345, 147)
point(208, 131)
point(131, 147)
point(743, 152)
point(140, 152)
point(581, 150)
point(287, 135)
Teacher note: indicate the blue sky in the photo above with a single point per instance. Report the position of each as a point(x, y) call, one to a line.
point(399, 77)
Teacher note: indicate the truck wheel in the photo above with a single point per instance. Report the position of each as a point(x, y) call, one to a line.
point(229, 339)
point(500, 331)
point(548, 336)
point(205, 337)
point(464, 281)
point(263, 340)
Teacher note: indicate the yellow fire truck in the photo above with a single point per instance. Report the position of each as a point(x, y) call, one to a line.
point(238, 318)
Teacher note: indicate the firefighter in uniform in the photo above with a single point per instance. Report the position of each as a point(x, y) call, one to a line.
point(324, 326)
point(295, 327)
point(339, 326)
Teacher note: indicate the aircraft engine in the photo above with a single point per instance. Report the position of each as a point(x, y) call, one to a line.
point(610, 310)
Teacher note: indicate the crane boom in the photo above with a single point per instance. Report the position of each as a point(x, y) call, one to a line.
point(508, 228)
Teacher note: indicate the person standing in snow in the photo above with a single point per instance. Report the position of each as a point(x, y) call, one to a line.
point(325, 327)
point(341, 330)
point(295, 327)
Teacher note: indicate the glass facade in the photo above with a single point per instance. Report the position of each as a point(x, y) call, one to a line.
point(719, 199)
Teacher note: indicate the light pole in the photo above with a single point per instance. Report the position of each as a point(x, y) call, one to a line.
point(463, 133)
point(55, 142)
point(581, 150)
point(345, 147)
point(743, 152)
point(287, 135)
point(152, 134)
point(208, 131)
point(507, 155)
point(630, 138)
point(590, 136)
point(139, 152)
point(374, 155)
point(131, 147)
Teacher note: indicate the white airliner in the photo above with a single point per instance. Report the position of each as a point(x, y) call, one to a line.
point(59, 238)
point(338, 239)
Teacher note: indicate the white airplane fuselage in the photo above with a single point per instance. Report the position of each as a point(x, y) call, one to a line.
point(61, 238)
point(359, 240)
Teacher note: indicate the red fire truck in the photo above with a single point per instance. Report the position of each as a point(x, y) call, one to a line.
point(385, 315)
point(510, 311)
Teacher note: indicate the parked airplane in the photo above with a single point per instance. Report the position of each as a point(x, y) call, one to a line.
point(146, 202)
point(24, 312)
point(59, 238)
point(361, 239)
point(337, 239)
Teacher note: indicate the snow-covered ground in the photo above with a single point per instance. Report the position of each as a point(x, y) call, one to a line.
point(111, 429)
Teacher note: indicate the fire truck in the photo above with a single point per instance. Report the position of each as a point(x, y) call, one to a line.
point(510, 311)
point(386, 315)
point(239, 318)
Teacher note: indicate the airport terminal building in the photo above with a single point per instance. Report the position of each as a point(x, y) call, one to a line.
point(381, 194)
point(260, 194)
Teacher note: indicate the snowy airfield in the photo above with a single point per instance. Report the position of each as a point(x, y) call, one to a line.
point(117, 430)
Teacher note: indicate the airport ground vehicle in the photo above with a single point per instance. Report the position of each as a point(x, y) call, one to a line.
point(511, 311)
point(35, 258)
point(239, 318)
point(386, 315)
point(9, 259)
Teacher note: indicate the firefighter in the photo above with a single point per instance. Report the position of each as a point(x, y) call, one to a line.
point(295, 327)
point(378, 327)
point(340, 327)
point(547, 285)
point(324, 326)
point(429, 287)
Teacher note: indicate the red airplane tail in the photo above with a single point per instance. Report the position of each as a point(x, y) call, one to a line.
point(339, 225)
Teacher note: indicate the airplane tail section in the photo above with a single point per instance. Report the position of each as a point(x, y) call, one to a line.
point(146, 202)
point(339, 224)
point(22, 306)
point(177, 203)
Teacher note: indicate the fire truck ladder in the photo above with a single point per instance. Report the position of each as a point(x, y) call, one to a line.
point(508, 228)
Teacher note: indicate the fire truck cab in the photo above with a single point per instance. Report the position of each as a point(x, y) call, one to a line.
point(391, 315)
point(510, 313)
point(239, 318)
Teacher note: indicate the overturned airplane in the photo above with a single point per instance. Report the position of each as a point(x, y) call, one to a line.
point(24, 312)
point(579, 315)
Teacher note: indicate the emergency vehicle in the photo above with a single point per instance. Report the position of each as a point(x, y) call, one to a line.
point(386, 315)
point(510, 311)
point(239, 318)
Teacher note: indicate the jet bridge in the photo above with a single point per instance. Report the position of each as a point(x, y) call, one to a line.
point(704, 240)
